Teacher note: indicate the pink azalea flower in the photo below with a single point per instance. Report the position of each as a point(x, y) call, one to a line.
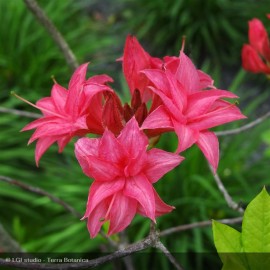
point(124, 173)
point(68, 113)
point(188, 108)
point(256, 55)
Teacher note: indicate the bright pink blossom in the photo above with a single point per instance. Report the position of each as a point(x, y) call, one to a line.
point(256, 55)
point(188, 108)
point(124, 173)
point(69, 113)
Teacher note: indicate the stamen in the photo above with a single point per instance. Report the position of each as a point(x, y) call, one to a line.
point(234, 104)
point(110, 206)
point(35, 106)
point(53, 78)
point(183, 43)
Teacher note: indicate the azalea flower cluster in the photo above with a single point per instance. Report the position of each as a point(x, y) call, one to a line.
point(256, 54)
point(167, 95)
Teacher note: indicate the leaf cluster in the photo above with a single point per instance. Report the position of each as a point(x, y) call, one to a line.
point(250, 248)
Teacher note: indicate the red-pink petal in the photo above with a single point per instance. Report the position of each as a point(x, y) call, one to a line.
point(40, 122)
point(161, 208)
point(87, 146)
point(48, 104)
point(110, 149)
point(252, 62)
point(122, 212)
point(133, 139)
point(51, 129)
point(111, 116)
point(178, 92)
point(171, 63)
point(99, 79)
point(167, 89)
point(159, 118)
point(77, 79)
point(99, 169)
point(205, 80)
point(168, 102)
point(42, 145)
point(75, 88)
point(200, 102)
point(159, 79)
point(187, 74)
point(59, 96)
point(208, 143)
point(221, 115)
point(160, 162)
point(135, 59)
point(96, 218)
point(94, 115)
point(186, 136)
point(84, 98)
point(93, 89)
point(99, 191)
point(62, 142)
point(140, 189)
point(257, 35)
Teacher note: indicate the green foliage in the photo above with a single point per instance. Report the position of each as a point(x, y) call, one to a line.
point(249, 249)
point(266, 140)
point(215, 29)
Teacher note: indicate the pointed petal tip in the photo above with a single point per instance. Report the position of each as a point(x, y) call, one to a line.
point(37, 163)
point(29, 142)
point(154, 220)
point(181, 158)
point(214, 167)
point(93, 235)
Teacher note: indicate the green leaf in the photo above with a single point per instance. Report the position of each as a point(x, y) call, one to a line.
point(249, 249)
point(266, 137)
point(256, 231)
point(228, 244)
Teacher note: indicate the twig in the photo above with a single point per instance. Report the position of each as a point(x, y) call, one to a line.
point(154, 235)
point(232, 204)
point(142, 245)
point(7, 243)
point(245, 127)
point(200, 224)
point(20, 113)
point(167, 253)
point(150, 241)
point(123, 243)
point(40, 192)
point(55, 34)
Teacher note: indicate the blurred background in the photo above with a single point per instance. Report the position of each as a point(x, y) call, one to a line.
point(215, 32)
